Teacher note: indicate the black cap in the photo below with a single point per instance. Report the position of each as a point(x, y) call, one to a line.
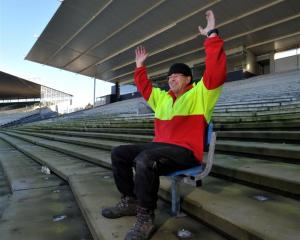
point(180, 68)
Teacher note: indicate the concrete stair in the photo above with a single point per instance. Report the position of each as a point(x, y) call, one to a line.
point(144, 135)
point(85, 178)
point(37, 203)
point(259, 188)
point(5, 192)
point(236, 167)
point(220, 119)
point(290, 152)
point(253, 191)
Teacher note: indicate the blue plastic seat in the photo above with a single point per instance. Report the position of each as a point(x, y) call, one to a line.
point(187, 172)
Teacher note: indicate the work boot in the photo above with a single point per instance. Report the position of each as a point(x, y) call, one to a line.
point(126, 207)
point(143, 227)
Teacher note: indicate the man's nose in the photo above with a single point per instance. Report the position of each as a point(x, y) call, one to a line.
point(171, 77)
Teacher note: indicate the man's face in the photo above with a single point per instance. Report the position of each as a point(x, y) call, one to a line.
point(178, 82)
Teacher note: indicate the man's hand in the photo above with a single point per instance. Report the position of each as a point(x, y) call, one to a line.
point(140, 56)
point(210, 24)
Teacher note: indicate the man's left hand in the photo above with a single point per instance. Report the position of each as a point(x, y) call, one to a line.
point(210, 24)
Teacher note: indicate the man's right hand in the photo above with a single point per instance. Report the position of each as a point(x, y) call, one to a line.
point(140, 56)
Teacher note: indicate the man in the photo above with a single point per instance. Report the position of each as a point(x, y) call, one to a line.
point(181, 116)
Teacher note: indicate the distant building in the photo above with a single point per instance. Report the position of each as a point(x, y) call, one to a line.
point(16, 92)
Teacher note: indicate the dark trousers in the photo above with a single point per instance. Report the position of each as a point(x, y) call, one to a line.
point(150, 160)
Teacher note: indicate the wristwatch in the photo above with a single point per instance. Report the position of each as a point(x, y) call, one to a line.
point(212, 31)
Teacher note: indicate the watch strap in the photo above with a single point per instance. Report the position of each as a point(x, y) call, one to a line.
point(212, 31)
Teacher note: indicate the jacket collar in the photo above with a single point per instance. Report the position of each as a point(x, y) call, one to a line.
point(187, 88)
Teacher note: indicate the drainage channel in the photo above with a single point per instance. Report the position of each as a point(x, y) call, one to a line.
point(5, 192)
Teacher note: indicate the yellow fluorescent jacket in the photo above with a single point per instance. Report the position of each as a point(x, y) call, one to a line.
point(182, 121)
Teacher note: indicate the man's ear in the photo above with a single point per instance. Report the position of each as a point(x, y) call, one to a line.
point(189, 80)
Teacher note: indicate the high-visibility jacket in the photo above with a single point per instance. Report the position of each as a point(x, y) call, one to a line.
point(182, 121)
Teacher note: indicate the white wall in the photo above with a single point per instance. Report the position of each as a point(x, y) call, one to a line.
point(288, 63)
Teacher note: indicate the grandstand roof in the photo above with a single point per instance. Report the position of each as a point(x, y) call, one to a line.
point(97, 38)
point(12, 87)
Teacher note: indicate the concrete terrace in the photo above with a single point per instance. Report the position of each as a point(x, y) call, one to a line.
point(271, 89)
point(253, 191)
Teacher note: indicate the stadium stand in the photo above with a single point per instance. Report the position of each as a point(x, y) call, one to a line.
point(262, 92)
point(251, 193)
point(19, 106)
point(9, 116)
point(16, 117)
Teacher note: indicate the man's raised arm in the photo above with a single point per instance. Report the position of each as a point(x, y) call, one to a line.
point(215, 62)
point(141, 80)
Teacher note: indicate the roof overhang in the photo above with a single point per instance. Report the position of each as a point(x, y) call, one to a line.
point(98, 38)
point(12, 87)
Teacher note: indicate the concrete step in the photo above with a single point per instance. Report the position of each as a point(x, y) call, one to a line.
point(240, 108)
point(4, 185)
point(141, 131)
point(269, 126)
point(275, 176)
point(94, 122)
point(218, 118)
point(256, 111)
point(104, 118)
point(289, 152)
point(23, 173)
point(92, 155)
point(235, 167)
point(113, 136)
point(232, 170)
point(114, 124)
point(102, 144)
point(5, 193)
point(36, 201)
point(246, 107)
point(228, 121)
point(260, 213)
point(254, 117)
point(85, 184)
point(221, 204)
point(273, 136)
point(97, 198)
point(30, 215)
point(257, 102)
point(286, 152)
point(245, 132)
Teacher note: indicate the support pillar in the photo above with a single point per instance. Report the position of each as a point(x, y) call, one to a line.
point(94, 96)
point(117, 91)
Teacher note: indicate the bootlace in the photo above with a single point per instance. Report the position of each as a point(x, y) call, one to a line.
point(142, 218)
point(123, 203)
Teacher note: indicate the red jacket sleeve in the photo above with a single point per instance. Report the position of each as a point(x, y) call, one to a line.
point(142, 82)
point(215, 63)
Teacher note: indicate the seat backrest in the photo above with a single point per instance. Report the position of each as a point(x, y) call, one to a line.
point(210, 142)
point(208, 136)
